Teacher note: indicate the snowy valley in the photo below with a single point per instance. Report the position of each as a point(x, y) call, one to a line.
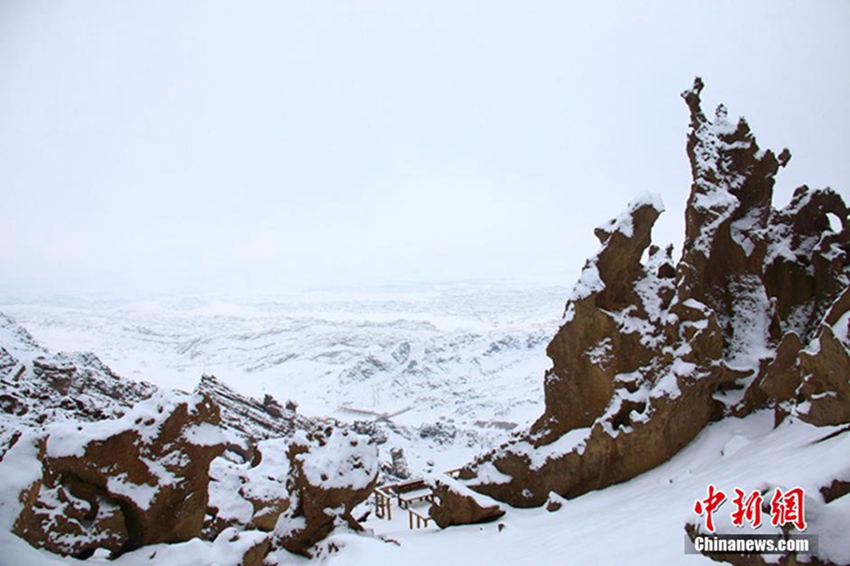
point(463, 362)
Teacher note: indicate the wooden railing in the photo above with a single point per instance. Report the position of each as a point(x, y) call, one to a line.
point(383, 504)
point(405, 494)
point(421, 520)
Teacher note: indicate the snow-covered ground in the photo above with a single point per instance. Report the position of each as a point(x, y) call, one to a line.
point(464, 352)
point(469, 361)
point(640, 522)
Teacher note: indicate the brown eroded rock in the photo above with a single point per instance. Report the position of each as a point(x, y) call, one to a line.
point(251, 419)
point(331, 472)
point(53, 518)
point(249, 495)
point(256, 555)
point(755, 316)
point(825, 367)
point(457, 505)
point(578, 388)
point(782, 375)
point(826, 385)
point(298, 488)
point(804, 271)
point(835, 489)
point(122, 484)
point(555, 502)
point(806, 276)
point(267, 512)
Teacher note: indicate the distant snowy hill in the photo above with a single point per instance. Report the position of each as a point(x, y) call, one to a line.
point(461, 353)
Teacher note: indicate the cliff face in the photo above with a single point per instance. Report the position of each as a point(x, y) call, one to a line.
point(754, 314)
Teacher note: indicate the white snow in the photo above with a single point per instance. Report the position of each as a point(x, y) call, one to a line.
point(317, 347)
point(682, 368)
point(344, 461)
point(204, 434)
point(600, 354)
point(457, 487)
point(750, 324)
point(486, 473)
point(640, 522)
point(140, 494)
point(841, 329)
point(832, 523)
point(628, 323)
point(623, 223)
point(744, 231)
point(573, 441)
point(588, 283)
point(21, 469)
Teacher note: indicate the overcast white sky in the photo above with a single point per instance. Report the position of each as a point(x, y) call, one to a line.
point(245, 146)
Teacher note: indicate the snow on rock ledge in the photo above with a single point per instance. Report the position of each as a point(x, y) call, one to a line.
point(458, 505)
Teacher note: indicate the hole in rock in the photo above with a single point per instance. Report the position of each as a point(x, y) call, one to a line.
point(834, 222)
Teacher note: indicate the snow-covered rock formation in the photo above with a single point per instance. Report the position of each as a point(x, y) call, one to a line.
point(754, 314)
point(124, 483)
point(91, 462)
point(331, 471)
point(455, 504)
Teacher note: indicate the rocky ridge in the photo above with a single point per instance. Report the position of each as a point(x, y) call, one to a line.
point(37, 387)
point(753, 315)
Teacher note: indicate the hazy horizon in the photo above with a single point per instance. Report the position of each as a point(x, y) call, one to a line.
point(171, 147)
